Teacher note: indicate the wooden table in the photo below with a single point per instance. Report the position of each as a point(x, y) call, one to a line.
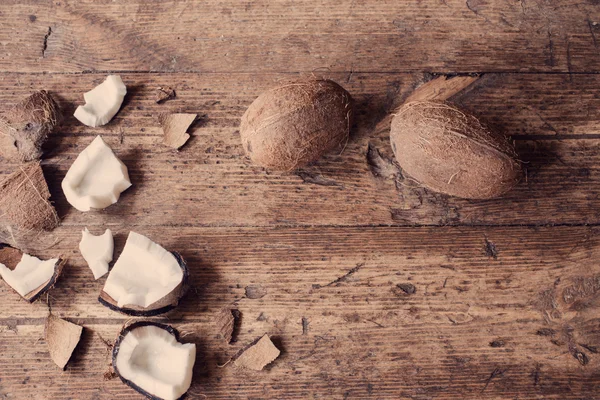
point(506, 295)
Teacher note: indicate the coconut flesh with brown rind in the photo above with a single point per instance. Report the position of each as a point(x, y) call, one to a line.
point(62, 338)
point(452, 152)
point(25, 127)
point(293, 125)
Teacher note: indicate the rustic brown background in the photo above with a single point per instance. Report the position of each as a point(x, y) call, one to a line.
point(507, 291)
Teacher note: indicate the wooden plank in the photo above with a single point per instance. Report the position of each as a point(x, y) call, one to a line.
point(495, 312)
point(287, 36)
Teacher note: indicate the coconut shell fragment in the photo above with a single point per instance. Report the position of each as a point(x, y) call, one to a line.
point(175, 128)
point(25, 127)
point(62, 338)
point(450, 151)
point(24, 199)
point(293, 125)
point(258, 355)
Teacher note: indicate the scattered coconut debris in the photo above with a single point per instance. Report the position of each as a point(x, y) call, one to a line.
point(96, 179)
point(24, 199)
point(97, 251)
point(146, 279)
point(255, 292)
point(25, 127)
point(102, 102)
point(149, 358)
point(174, 128)
point(226, 321)
point(27, 275)
point(165, 93)
point(62, 337)
point(258, 355)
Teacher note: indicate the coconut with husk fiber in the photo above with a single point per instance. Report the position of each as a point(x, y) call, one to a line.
point(25, 127)
point(451, 151)
point(293, 125)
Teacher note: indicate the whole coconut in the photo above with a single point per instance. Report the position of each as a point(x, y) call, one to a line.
point(290, 126)
point(450, 151)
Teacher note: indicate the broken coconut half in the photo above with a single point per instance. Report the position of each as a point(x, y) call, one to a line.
point(97, 251)
point(149, 358)
point(146, 280)
point(26, 126)
point(96, 179)
point(27, 275)
point(102, 102)
point(61, 337)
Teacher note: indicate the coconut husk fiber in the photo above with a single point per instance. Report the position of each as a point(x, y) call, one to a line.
point(293, 125)
point(451, 151)
point(25, 127)
point(61, 337)
point(24, 199)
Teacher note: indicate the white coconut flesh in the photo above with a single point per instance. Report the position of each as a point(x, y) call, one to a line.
point(144, 273)
point(96, 179)
point(97, 251)
point(29, 274)
point(152, 359)
point(102, 102)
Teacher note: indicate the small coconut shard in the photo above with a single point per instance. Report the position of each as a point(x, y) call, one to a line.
point(165, 93)
point(96, 179)
point(174, 128)
point(146, 280)
point(62, 338)
point(29, 276)
point(259, 355)
point(293, 125)
point(97, 251)
point(25, 127)
point(452, 152)
point(24, 199)
point(149, 358)
point(225, 323)
point(102, 102)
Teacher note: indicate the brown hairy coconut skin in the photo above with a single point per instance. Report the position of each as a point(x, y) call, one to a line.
point(25, 127)
point(452, 152)
point(293, 125)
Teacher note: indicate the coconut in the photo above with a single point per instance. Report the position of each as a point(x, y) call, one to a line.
point(149, 358)
point(292, 125)
point(61, 337)
point(175, 128)
point(24, 199)
point(258, 355)
point(451, 151)
point(25, 127)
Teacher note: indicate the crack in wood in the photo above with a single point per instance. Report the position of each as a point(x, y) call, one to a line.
point(342, 278)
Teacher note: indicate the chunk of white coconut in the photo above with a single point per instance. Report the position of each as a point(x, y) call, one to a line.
point(96, 179)
point(97, 251)
point(151, 359)
point(102, 102)
point(29, 274)
point(144, 273)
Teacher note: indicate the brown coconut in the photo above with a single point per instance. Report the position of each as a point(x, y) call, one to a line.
point(62, 337)
point(452, 152)
point(292, 125)
point(258, 355)
point(25, 127)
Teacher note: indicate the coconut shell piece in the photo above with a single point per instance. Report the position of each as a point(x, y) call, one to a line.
point(62, 337)
point(174, 128)
point(165, 93)
point(162, 306)
point(24, 199)
point(258, 355)
point(10, 257)
point(25, 127)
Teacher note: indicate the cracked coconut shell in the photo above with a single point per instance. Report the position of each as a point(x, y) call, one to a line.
point(25, 127)
point(450, 151)
point(293, 125)
point(62, 338)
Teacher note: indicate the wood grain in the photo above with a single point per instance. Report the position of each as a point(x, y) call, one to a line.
point(288, 36)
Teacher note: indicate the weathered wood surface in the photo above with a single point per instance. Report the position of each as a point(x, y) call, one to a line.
point(506, 291)
point(290, 36)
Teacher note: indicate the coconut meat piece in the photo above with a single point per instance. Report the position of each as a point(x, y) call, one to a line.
point(97, 251)
point(102, 102)
point(144, 273)
point(96, 179)
point(29, 274)
point(152, 359)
